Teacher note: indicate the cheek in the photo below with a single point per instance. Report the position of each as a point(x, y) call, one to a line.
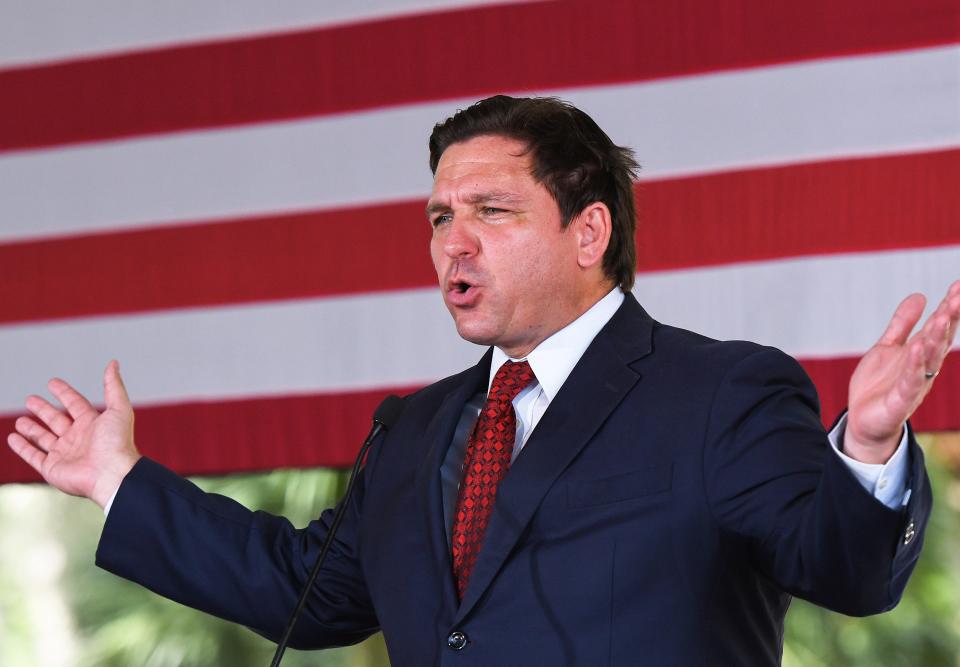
point(536, 265)
point(436, 256)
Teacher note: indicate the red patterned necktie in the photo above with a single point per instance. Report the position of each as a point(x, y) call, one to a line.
point(488, 457)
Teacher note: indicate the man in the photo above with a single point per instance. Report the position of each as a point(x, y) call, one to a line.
point(630, 493)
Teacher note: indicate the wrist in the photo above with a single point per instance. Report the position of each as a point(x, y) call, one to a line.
point(870, 450)
point(109, 481)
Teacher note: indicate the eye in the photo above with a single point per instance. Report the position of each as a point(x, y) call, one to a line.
point(441, 219)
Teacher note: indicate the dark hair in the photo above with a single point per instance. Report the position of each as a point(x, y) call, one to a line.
point(573, 158)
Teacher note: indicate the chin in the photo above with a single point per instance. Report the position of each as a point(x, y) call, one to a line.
point(474, 332)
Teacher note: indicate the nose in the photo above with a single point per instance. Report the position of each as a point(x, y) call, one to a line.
point(459, 240)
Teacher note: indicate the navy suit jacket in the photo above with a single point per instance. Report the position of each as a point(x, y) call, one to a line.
point(674, 496)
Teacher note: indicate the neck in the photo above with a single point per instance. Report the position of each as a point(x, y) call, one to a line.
point(581, 306)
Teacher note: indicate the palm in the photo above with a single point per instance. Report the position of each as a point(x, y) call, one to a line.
point(895, 375)
point(80, 451)
point(72, 463)
point(876, 403)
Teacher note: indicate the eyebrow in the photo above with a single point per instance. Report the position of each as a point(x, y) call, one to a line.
point(492, 196)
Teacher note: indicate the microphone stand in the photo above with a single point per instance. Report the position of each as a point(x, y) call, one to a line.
point(385, 416)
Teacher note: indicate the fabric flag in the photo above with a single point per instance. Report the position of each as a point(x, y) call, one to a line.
point(231, 204)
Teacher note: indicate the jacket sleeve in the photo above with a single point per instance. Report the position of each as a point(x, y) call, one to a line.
point(776, 487)
point(211, 553)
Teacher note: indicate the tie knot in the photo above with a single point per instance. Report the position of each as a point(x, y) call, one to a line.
point(510, 380)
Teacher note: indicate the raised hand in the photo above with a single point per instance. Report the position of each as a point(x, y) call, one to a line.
point(896, 374)
point(82, 452)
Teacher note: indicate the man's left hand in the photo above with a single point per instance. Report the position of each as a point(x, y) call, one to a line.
point(895, 375)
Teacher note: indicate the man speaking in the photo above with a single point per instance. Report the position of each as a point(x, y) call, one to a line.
point(600, 489)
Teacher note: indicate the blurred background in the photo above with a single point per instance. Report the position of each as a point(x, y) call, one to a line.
point(228, 198)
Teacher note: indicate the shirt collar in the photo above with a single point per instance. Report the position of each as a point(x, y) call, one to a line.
point(553, 360)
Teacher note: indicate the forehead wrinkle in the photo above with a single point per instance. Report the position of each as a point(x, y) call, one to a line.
point(467, 173)
point(474, 198)
point(498, 196)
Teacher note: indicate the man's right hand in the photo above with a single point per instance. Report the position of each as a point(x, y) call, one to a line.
point(82, 452)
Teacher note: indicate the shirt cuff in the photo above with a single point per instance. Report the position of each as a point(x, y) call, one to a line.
point(106, 508)
point(886, 481)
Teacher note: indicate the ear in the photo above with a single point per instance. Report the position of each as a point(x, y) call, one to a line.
point(593, 228)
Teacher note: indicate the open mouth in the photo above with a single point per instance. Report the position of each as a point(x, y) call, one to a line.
point(461, 293)
point(458, 286)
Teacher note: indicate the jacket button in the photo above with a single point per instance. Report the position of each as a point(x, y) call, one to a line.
point(457, 640)
point(909, 533)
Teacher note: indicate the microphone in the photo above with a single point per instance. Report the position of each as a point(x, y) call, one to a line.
point(385, 416)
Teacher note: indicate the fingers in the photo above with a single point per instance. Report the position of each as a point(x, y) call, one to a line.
point(939, 330)
point(54, 419)
point(25, 450)
point(953, 310)
point(939, 345)
point(70, 398)
point(34, 433)
point(114, 391)
point(913, 381)
point(904, 319)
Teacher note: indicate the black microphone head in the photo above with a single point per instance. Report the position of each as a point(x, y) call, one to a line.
point(389, 411)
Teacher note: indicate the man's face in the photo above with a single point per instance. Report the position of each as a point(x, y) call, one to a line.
point(507, 270)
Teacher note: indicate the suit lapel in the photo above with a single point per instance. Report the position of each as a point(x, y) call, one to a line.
point(596, 386)
point(439, 435)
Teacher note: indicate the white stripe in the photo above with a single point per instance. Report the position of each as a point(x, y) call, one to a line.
point(828, 109)
point(343, 343)
point(48, 30)
point(843, 107)
point(813, 307)
point(828, 306)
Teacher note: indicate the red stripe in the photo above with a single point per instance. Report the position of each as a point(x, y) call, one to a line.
point(850, 205)
point(472, 52)
point(216, 438)
point(940, 410)
point(817, 208)
point(326, 430)
point(261, 259)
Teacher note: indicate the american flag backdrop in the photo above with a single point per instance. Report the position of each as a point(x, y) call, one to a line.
point(228, 198)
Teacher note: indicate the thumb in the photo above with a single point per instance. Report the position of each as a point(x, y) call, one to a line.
point(114, 392)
